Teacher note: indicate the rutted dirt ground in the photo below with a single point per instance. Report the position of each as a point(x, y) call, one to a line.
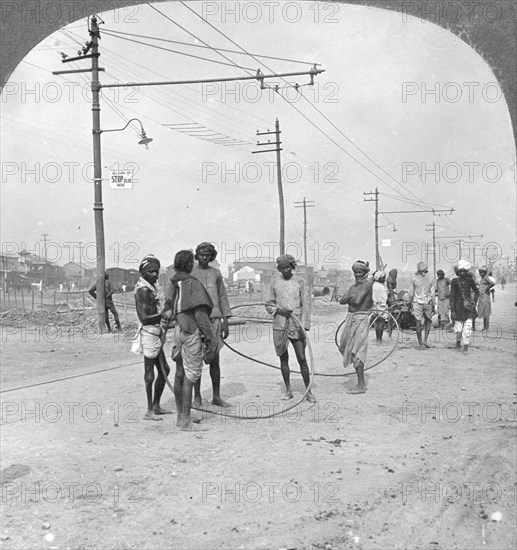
point(425, 459)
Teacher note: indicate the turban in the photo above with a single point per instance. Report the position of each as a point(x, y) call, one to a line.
point(359, 265)
point(421, 266)
point(463, 264)
point(378, 275)
point(483, 268)
point(286, 260)
point(149, 262)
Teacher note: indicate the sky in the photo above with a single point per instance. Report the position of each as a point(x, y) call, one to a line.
point(403, 106)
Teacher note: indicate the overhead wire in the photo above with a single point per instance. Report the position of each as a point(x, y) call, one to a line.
point(207, 47)
point(169, 50)
point(324, 116)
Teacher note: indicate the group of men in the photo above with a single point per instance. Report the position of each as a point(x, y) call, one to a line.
point(197, 308)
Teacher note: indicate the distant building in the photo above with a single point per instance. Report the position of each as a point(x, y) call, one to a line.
point(46, 273)
point(80, 274)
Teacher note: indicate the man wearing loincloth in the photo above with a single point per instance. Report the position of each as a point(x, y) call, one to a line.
point(484, 308)
point(108, 301)
point(380, 303)
point(354, 336)
point(213, 282)
point(286, 298)
point(421, 297)
point(150, 337)
point(193, 342)
point(443, 291)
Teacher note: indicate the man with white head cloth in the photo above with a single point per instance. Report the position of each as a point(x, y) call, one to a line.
point(151, 335)
point(464, 295)
point(380, 303)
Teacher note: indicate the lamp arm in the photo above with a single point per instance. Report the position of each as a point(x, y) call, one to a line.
point(121, 129)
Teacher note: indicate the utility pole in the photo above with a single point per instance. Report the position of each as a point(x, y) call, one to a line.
point(45, 235)
point(432, 227)
point(378, 261)
point(96, 87)
point(97, 178)
point(80, 266)
point(277, 148)
point(460, 241)
point(305, 204)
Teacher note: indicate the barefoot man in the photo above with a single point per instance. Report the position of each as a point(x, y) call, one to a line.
point(287, 298)
point(151, 335)
point(354, 337)
point(213, 282)
point(193, 339)
point(421, 296)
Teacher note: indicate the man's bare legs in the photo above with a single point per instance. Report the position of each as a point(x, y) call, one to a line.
point(361, 385)
point(284, 369)
point(159, 385)
point(149, 379)
point(426, 326)
point(183, 388)
point(215, 375)
point(299, 349)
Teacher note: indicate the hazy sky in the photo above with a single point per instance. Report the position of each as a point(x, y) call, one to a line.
point(378, 66)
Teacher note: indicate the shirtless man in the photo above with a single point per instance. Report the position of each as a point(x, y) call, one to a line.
point(190, 305)
point(151, 334)
point(354, 337)
point(287, 297)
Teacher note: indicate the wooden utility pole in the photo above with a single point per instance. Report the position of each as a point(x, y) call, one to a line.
point(305, 204)
point(45, 235)
point(96, 87)
point(277, 148)
point(432, 227)
point(378, 261)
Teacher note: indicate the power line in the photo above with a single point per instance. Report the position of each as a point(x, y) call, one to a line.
point(326, 118)
point(207, 47)
point(174, 51)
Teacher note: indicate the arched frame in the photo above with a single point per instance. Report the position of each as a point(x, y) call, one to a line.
point(488, 26)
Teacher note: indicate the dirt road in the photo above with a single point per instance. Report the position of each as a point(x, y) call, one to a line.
point(425, 459)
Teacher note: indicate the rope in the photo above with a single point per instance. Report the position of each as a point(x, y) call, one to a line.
point(335, 339)
point(265, 416)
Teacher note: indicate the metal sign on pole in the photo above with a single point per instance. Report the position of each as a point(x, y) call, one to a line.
point(121, 179)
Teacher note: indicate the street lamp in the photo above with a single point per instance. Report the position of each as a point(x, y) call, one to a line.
point(389, 225)
point(97, 177)
point(144, 140)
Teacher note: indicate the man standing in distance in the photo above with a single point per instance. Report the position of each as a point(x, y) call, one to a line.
point(421, 296)
point(213, 282)
point(443, 290)
point(108, 301)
